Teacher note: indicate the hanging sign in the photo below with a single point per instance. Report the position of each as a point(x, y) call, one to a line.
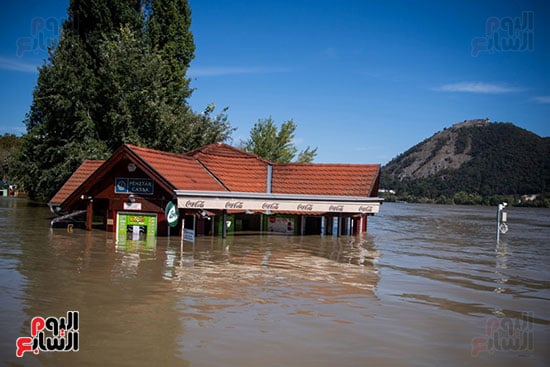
point(133, 185)
point(172, 215)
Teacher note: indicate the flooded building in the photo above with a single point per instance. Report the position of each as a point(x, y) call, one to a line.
point(218, 190)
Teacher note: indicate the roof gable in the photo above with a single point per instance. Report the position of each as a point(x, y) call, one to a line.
point(182, 171)
point(237, 170)
point(82, 173)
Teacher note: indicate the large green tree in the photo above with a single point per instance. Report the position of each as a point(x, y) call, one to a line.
point(117, 75)
point(274, 144)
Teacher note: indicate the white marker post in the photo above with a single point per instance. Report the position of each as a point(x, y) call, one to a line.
point(502, 227)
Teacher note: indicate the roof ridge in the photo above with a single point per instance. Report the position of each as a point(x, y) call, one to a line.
point(161, 152)
point(213, 149)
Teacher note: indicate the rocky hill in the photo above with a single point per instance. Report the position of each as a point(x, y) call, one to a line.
point(474, 157)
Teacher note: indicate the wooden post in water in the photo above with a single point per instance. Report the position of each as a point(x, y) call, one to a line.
point(89, 214)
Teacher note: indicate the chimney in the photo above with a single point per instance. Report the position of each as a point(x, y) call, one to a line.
point(269, 178)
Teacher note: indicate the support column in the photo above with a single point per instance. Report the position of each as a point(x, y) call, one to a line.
point(261, 223)
point(361, 225)
point(348, 226)
point(323, 225)
point(302, 225)
point(89, 214)
point(182, 228)
point(336, 226)
point(213, 226)
point(224, 224)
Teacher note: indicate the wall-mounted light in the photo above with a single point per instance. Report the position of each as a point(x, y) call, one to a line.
point(131, 167)
point(86, 197)
point(132, 199)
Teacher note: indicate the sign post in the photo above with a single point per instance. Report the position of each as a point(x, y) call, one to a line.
point(172, 215)
point(502, 227)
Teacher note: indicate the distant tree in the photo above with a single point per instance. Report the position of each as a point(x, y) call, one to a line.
point(276, 145)
point(117, 75)
point(9, 149)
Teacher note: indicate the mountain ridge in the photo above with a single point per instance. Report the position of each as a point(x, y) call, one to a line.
point(476, 157)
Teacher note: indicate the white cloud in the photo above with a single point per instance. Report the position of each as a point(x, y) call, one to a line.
point(16, 65)
point(229, 70)
point(542, 99)
point(478, 87)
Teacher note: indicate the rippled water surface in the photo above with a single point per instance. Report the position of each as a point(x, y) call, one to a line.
point(423, 288)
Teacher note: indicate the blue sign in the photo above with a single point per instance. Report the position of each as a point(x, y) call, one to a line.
point(140, 186)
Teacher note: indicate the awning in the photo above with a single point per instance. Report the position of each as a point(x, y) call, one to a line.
point(268, 203)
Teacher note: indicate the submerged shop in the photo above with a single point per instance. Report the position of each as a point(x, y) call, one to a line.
point(139, 193)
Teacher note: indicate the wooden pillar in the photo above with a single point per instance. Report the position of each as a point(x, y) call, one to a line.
point(89, 214)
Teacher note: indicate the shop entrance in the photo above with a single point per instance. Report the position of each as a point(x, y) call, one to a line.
point(136, 227)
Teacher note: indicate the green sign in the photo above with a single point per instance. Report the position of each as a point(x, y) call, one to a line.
point(171, 214)
point(136, 226)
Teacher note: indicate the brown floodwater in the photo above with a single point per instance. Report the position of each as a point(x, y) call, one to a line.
point(427, 286)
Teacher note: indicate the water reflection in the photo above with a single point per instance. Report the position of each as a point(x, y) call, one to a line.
point(127, 311)
point(240, 262)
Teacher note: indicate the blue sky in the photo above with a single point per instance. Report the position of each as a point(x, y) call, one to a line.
point(363, 80)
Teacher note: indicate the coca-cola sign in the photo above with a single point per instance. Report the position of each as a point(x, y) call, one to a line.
point(194, 204)
point(306, 207)
point(270, 206)
point(336, 208)
point(233, 204)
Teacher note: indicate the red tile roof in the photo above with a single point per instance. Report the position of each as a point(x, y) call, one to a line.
point(220, 167)
point(325, 179)
point(82, 173)
point(183, 172)
point(238, 170)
